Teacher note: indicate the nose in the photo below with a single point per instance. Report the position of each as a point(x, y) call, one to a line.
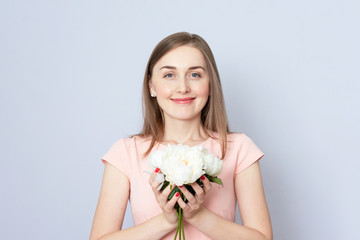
point(183, 85)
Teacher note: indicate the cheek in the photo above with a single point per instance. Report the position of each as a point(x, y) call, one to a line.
point(202, 91)
point(162, 91)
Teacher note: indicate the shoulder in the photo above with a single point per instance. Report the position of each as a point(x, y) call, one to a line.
point(238, 138)
point(232, 139)
point(132, 142)
point(234, 144)
point(240, 143)
point(121, 143)
point(244, 150)
point(125, 149)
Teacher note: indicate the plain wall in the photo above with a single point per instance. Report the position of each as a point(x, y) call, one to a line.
point(70, 86)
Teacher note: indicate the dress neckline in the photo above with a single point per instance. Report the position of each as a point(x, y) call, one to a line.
point(163, 145)
point(198, 144)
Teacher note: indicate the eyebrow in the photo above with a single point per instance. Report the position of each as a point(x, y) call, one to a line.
point(190, 68)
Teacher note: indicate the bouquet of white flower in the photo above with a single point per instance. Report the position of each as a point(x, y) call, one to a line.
point(183, 165)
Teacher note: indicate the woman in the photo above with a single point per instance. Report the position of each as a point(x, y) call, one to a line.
point(183, 103)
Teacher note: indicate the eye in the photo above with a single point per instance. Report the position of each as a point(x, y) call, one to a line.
point(195, 75)
point(169, 75)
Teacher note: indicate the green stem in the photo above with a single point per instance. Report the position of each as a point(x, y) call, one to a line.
point(179, 223)
point(178, 228)
point(182, 225)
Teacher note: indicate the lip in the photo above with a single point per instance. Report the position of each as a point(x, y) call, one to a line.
point(183, 100)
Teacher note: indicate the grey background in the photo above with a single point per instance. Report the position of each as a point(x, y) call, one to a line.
point(71, 74)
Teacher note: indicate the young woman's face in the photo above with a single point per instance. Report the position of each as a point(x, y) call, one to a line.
point(180, 82)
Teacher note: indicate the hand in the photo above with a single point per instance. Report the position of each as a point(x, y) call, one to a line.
point(166, 205)
point(193, 206)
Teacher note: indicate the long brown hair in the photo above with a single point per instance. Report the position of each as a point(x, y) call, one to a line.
point(213, 115)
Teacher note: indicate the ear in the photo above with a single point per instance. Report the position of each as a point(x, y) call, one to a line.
point(151, 88)
point(150, 84)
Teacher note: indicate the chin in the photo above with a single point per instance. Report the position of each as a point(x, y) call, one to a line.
point(184, 117)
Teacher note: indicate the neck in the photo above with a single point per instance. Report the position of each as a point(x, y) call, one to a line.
point(188, 132)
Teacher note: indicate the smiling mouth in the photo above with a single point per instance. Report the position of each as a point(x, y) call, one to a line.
point(183, 100)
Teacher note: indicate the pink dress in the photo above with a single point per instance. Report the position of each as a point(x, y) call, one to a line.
point(127, 155)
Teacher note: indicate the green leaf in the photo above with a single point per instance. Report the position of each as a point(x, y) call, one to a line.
point(166, 183)
point(216, 180)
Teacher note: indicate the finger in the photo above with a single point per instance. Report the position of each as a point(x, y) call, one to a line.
point(163, 197)
point(153, 174)
point(169, 207)
point(206, 184)
point(187, 194)
point(154, 184)
point(199, 191)
point(183, 205)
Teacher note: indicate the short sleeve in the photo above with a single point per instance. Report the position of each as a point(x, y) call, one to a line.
point(248, 153)
point(118, 157)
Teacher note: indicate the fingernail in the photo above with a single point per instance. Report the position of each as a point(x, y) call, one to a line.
point(177, 194)
point(202, 177)
point(180, 186)
point(157, 170)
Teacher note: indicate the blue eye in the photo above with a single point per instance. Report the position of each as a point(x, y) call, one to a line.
point(169, 75)
point(195, 75)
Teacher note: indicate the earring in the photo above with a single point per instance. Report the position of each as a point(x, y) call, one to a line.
point(152, 95)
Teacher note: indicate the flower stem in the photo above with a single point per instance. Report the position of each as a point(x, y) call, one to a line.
point(182, 225)
point(179, 223)
point(180, 231)
point(178, 226)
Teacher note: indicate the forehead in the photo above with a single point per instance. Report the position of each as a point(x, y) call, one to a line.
point(183, 56)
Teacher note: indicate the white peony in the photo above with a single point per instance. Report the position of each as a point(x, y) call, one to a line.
point(182, 164)
point(156, 159)
point(212, 164)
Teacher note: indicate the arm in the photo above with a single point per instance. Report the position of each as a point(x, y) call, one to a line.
point(110, 211)
point(252, 206)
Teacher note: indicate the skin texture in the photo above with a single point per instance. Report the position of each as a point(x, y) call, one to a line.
point(182, 73)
